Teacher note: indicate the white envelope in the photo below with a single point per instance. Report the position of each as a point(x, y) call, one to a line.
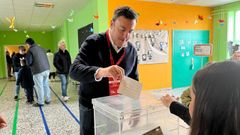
point(130, 87)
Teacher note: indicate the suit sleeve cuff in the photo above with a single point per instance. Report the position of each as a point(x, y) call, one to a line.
point(99, 79)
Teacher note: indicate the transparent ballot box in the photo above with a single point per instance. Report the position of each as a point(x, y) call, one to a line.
point(121, 115)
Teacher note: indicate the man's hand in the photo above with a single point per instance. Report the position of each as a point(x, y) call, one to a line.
point(3, 122)
point(114, 71)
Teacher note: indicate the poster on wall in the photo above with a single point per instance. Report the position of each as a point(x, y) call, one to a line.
point(151, 46)
point(203, 49)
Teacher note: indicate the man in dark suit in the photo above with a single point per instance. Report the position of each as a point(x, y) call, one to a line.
point(103, 60)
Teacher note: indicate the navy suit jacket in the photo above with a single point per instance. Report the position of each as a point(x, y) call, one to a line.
point(93, 54)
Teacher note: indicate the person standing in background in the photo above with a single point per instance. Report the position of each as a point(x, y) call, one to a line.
point(25, 78)
point(12, 62)
point(13, 54)
point(9, 64)
point(38, 61)
point(17, 66)
point(62, 62)
point(236, 56)
point(52, 68)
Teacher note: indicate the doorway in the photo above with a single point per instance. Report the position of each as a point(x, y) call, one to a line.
point(12, 49)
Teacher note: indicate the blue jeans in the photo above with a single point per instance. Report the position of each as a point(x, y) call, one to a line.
point(17, 86)
point(86, 121)
point(64, 83)
point(42, 87)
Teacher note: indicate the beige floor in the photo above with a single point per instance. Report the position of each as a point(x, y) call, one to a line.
point(59, 120)
point(29, 121)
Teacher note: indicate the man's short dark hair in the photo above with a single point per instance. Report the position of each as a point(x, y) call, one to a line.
point(30, 41)
point(125, 11)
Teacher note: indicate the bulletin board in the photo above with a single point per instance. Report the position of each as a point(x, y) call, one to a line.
point(151, 45)
point(184, 63)
point(84, 32)
point(203, 50)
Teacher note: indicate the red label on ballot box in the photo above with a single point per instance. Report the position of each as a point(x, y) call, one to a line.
point(113, 86)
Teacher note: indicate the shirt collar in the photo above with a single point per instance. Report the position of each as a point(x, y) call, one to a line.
point(113, 45)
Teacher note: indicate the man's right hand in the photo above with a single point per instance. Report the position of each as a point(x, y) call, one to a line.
point(114, 71)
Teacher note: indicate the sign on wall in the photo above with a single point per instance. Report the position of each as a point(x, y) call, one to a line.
point(151, 46)
point(203, 49)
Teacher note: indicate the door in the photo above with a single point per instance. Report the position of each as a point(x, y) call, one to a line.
point(184, 63)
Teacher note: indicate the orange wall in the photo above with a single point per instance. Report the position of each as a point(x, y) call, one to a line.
point(158, 76)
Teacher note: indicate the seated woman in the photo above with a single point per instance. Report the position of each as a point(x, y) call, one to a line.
point(215, 100)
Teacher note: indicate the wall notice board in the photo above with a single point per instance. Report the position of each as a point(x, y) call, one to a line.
point(151, 46)
point(203, 50)
point(84, 32)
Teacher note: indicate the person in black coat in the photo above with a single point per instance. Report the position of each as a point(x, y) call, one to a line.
point(62, 62)
point(9, 64)
point(17, 66)
point(25, 78)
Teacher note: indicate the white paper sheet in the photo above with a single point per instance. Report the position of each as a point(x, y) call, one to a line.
point(130, 87)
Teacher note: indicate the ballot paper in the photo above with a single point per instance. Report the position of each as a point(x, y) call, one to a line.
point(130, 87)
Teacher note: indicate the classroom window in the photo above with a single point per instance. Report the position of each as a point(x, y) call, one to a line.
point(230, 34)
point(237, 28)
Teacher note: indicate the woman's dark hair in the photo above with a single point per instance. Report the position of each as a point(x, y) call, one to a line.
point(125, 11)
point(217, 100)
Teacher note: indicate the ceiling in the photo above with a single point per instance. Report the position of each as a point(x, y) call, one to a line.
point(207, 3)
point(31, 18)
